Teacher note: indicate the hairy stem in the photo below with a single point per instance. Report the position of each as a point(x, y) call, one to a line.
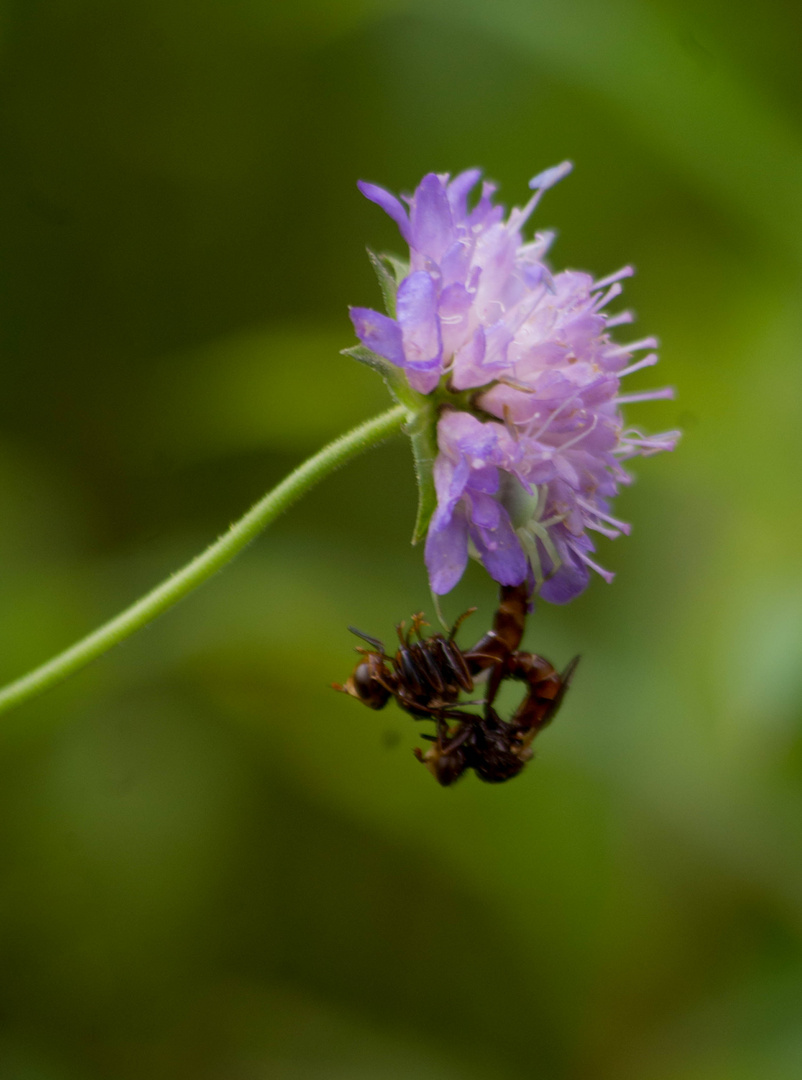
point(203, 566)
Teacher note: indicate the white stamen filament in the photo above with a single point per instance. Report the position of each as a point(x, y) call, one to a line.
point(550, 177)
point(526, 311)
point(666, 394)
point(647, 361)
point(621, 475)
point(547, 423)
point(620, 318)
point(651, 443)
point(520, 215)
point(605, 530)
point(591, 509)
point(579, 437)
point(602, 283)
point(633, 346)
point(589, 386)
point(615, 290)
point(608, 575)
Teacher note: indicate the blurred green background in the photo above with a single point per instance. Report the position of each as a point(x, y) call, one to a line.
point(211, 865)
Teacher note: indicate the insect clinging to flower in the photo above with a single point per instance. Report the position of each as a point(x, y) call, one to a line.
point(427, 675)
point(512, 380)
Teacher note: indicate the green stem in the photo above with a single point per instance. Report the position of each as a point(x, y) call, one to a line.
point(206, 564)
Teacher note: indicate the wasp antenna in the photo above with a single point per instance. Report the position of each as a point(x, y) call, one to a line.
point(377, 645)
point(460, 620)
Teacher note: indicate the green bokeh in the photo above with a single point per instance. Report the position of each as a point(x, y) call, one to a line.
point(214, 867)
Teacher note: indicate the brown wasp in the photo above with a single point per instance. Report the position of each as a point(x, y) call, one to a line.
point(427, 675)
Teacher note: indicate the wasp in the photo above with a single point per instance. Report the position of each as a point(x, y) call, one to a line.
point(427, 676)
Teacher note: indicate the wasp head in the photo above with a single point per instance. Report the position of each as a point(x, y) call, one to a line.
point(367, 683)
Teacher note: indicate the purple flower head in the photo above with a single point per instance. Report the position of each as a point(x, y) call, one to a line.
point(465, 266)
point(482, 323)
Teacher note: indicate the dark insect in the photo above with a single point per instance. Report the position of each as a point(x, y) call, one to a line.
point(427, 675)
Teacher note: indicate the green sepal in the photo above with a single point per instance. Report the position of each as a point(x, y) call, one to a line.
point(422, 431)
point(390, 273)
point(423, 410)
point(394, 377)
point(372, 360)
point(400, 267)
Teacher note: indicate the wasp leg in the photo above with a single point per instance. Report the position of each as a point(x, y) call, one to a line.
point(457, 714)
point(458, 738)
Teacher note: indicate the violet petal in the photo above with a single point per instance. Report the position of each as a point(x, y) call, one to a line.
point(468, 371)
point(446, 552)
point(432, 225)
point(389, 204)
point(458, 192)
point(416, 308)
point(379, 333)
point(501, 552)
point(569, 581)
